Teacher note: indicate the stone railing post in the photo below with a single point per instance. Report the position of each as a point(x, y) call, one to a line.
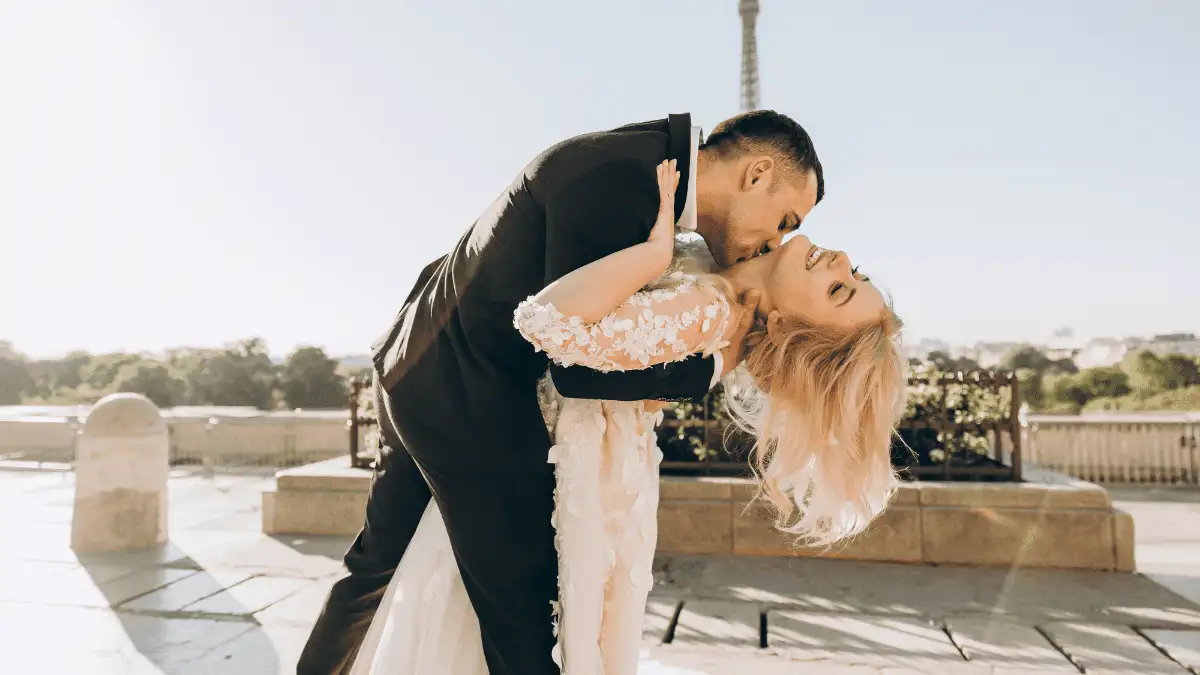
point(209, 460)
point(121, 468)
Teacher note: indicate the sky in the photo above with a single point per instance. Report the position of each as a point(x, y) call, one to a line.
point(211, 171)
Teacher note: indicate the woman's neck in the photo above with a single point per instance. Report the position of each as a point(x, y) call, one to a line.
point(746, 276)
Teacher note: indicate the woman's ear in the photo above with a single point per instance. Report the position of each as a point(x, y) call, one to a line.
point(774, 325)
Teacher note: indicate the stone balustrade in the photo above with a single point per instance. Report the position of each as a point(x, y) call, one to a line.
point(221, 437)
point(1117, 448)
point(1111, 448)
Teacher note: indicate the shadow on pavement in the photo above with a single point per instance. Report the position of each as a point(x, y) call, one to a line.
point(186, 620)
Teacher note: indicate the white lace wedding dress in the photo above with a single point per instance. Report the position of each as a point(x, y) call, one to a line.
point(606, 500)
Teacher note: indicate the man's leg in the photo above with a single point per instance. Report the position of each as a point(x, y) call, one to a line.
point(499, 525)
point(399, 496)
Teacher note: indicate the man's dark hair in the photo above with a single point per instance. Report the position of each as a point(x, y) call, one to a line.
point(772, 132)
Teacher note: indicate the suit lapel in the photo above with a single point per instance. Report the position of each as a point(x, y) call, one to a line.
point(679, 128)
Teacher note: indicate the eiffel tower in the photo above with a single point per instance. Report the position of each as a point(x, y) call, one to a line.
point(749, 11)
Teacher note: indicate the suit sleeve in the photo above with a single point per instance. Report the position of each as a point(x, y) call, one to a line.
point(603, 211)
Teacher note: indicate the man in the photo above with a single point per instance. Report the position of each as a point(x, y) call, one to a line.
point(456, 383)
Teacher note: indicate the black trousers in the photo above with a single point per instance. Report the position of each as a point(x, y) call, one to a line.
point(499, 527)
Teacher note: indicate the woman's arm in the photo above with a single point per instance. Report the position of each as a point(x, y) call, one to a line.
point(652, 327)
point(598, 288)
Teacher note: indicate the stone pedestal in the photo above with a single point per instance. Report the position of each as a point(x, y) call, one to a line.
point(325, 498)
point(121, 468)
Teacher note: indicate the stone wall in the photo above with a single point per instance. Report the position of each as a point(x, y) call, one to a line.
point(1060, 524)
point(1052, 521)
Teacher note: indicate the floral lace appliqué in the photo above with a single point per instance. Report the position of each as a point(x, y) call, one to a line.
point(646, 327)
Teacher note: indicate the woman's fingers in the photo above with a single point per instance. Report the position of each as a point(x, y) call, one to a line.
point(668, 180)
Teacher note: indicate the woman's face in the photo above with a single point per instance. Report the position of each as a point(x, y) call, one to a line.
point(818, 286)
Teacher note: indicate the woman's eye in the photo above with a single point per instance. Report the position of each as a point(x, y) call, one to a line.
point(835, 288)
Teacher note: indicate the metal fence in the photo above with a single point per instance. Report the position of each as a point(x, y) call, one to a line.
point(964, 420)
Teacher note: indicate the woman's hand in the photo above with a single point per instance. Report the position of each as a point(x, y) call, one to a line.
point(663, 232)
point(600, 287)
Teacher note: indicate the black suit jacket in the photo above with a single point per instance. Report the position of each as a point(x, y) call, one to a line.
point(457, 369)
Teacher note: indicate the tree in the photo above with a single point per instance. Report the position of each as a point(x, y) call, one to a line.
point(949, 364)
point(153, 380)
point(1075, 391)
point(1030, 384)
point(1063, 366)
point(102, 369)
point(310, 379)
point(1025, 358)
point(1179, 371)
point(241, 374)
point(15, 381)
point(8, 351)
point(1147, 372)
point(1067, 390)
point(1103, 382)
point(60, 378)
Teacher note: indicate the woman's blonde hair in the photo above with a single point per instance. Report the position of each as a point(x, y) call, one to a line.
point(824, 405)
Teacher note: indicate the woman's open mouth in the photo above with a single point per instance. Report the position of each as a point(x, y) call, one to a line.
point(814, 256)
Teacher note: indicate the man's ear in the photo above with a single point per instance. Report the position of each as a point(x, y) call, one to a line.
point(757, 173)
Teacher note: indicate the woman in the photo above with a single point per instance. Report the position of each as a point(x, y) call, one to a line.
point(827, 379)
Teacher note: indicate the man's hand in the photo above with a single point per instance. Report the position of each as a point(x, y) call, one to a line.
point(734, 352)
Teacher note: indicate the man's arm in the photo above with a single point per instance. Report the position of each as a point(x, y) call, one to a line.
point(603, 211)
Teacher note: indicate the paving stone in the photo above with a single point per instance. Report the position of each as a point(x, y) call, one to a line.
point(103, 574)
point(48, 593)
point(255, 551)
point(1183, 646)
point(1002, 644)
point(171, 643)
point(167, 555)
point(248, 597)
point(958, 669)
point(262, 650)
point(1110, 650)
point(856, 587)
point(659, 613)
point(300, 609)
point(861, 640)
point(945, 668)
point(674, 660)
point(721, 625)
point(55, 639)
point(141, 582)
point(49, 583)
point(180, 594)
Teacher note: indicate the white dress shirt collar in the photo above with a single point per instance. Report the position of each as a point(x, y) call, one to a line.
point(687, 218)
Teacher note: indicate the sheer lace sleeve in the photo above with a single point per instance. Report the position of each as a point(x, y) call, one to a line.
point(681, 317)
